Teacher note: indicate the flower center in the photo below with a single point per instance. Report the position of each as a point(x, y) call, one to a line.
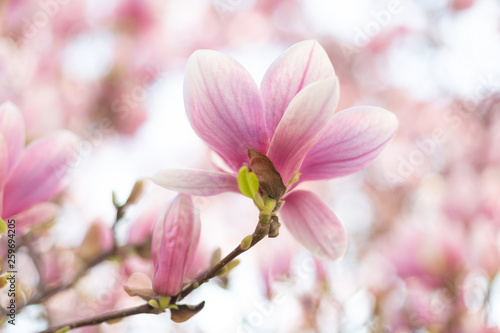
point(269, 178)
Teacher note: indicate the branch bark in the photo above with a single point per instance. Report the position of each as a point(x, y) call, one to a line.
point(260, 233)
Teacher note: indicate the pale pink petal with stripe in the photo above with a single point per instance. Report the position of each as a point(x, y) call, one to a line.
point(302, 126)
point(314, 225)
point(224, 106)
point(196, 182)
point(300, 65)
point(353, 139)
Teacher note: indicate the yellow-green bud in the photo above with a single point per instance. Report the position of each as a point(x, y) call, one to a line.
point(270, 204)
point(246, 242)
point(222, 271)
point(153, 303)
point(164, 301)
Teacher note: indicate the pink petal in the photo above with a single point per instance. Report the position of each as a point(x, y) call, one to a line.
point(196, 182)
point(12, 128)
point(224, 106)
point(302, 126)
point(38, 214)
point(353, 139)
point(3, 169)
point(39, 174)
point(302, 64)
point(174, 243)
point(314, 225)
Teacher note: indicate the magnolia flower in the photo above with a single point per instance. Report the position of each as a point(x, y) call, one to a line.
point(292, 120)
point(30, 176)
point(174, 243)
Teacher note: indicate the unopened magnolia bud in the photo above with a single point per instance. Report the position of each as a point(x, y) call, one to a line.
point(174, 242)
point(269, 178)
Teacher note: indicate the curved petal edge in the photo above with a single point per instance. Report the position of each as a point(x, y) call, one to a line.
point(224, 106)
point(314, 225)
point(353, 139)
point(300, 65)
point(196, 182)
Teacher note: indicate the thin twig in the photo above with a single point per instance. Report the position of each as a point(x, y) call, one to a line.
point(42, 296)
point(110, 316)
point(259, 233)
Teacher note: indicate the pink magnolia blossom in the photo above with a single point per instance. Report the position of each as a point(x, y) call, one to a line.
point(174, 243)
point(30, 176)
point(292, 120)
point(462, 4)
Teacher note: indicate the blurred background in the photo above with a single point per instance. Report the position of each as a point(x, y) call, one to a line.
point(423, 219)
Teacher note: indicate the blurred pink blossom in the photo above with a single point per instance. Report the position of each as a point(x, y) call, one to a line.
point(32, 175)
point(277, 266)
point(430, 255)
point(98, 239)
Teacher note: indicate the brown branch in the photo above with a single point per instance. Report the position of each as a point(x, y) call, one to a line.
point(49, 292)
point(57, 289)
point(106, 317)
point(260, 232)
